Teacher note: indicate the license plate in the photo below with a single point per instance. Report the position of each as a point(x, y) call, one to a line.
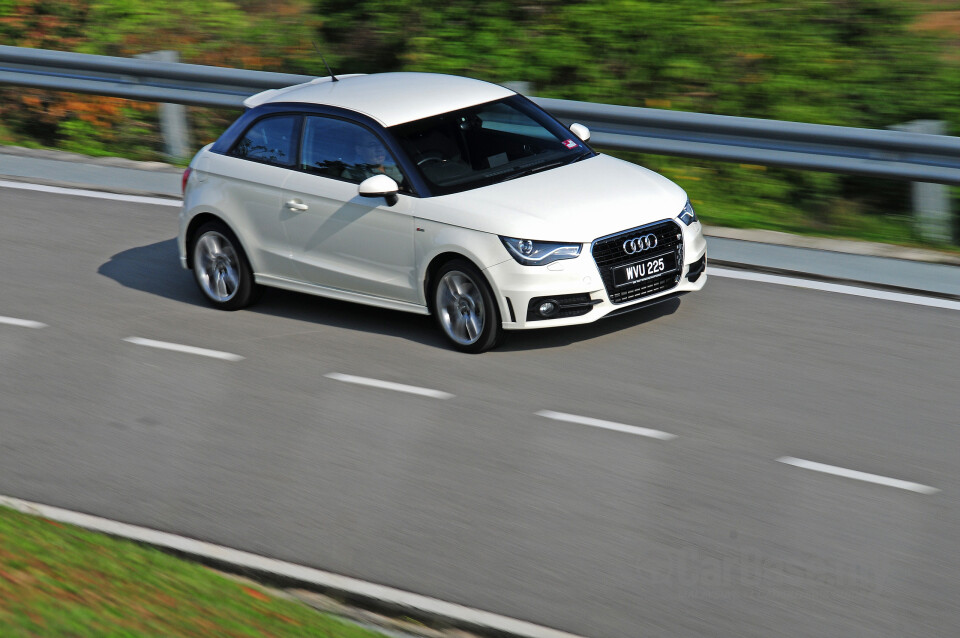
point(646, 269)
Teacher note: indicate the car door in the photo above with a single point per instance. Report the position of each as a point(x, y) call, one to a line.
point(340, 239)
point(253, 174)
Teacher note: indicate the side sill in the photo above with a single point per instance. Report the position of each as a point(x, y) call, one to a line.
point(342, 295)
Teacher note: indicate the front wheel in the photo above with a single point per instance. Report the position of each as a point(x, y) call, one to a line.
point(464, 307)
point(221, 268)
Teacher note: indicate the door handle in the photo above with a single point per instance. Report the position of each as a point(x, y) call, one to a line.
point(295, 204)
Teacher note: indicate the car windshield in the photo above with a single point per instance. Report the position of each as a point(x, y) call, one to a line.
point(486, 144)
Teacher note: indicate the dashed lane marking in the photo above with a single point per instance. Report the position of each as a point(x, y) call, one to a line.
point(860, 476)
point(23, 323)
point(177, 347)
point(389, 385)
point(606, 425)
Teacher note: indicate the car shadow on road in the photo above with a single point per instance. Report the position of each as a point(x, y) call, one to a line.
point(155, 269)
point(352, 316)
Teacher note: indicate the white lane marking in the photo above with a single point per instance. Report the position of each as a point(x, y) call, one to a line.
point(316, 577)
point(77, 192)
point(607, 425)
point(176, 347)
point(389, 385)
point(860, 476)
point(842, 289)
point(23, 323)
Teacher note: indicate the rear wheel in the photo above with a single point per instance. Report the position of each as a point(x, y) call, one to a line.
point(221, 269)
point(464, 307)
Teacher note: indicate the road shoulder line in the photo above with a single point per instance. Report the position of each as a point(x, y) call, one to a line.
point(843, 289)
point(86, 192)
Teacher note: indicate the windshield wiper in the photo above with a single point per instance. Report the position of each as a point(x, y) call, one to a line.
point(534, 169)
point(543, 167)
point(580, 156)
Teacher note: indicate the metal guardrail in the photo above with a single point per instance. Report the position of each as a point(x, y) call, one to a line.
point(880, 153)
point(137, 79)
point(835, 149)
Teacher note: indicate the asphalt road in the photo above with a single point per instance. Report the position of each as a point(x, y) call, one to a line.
point(477, 499)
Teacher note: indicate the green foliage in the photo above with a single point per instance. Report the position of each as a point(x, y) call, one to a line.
point(856, 63)
point(82, 137)
point(829, 61)
point(270, 36)
point(864, 63)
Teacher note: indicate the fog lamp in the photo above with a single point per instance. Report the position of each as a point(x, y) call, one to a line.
point(548, 308)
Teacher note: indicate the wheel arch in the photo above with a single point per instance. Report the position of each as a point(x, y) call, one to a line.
point(439, 260)
point(196, 223)
point(436, 264)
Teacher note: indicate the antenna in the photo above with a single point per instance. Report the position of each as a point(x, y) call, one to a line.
point(317, 49)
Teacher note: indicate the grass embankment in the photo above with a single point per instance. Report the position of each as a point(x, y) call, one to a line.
point(60, 580)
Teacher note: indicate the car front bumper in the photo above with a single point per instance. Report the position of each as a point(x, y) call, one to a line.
point(577, 284)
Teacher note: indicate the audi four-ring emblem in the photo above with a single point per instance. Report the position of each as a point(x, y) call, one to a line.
point(640, 244)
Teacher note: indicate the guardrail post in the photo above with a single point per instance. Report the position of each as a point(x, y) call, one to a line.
point(931, 202)
point(520, 86)
point(173, 117)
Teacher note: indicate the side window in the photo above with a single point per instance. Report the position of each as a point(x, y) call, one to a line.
point(270, 140)
point(346, 151)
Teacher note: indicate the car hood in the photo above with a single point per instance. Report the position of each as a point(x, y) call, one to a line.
point(579, 202)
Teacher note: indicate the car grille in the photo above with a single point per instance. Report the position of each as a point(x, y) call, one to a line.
point(608, 253)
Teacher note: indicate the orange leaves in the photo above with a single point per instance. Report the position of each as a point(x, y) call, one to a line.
point(945, 21)
point(252, 34)
point(97, 110)
point(253, 593)
point(50, 109)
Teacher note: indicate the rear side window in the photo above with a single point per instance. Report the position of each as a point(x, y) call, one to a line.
point(270, 140)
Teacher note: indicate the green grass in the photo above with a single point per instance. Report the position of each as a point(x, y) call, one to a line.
point(59, 580)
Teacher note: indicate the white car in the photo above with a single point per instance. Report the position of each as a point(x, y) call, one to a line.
point(432, 194)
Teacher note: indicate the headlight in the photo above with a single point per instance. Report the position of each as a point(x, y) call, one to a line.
point(539, 253)
point(687, 216)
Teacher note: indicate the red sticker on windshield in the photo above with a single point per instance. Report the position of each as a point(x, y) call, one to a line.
point(570, 144)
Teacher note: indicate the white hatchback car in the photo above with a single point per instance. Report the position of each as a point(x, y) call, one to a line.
point(432, 194)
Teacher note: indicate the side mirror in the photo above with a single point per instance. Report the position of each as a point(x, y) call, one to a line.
point(580, 131)
point(380, 186)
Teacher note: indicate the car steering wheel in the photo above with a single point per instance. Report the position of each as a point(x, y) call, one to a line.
point(430, 157)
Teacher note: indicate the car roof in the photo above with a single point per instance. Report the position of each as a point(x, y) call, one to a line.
point(389, 98)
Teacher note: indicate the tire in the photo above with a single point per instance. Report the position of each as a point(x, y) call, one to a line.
point(221, 268)
point(464, 307)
